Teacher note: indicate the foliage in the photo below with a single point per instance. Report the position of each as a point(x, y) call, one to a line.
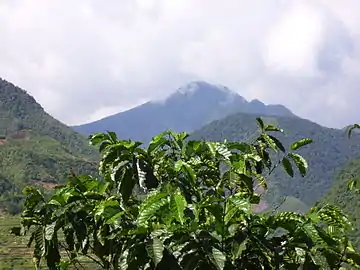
point(345, 191)
point(35, 149)
point(183, 204)
point(329, 151)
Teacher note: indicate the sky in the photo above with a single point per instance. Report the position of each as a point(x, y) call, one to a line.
point(86, 59)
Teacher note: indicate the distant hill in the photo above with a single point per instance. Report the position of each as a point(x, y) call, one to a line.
point(349, 201)
point(330, 151)
point(189, 108)
point(35, 148)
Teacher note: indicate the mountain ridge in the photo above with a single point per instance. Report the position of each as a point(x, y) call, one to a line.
point(188, 108)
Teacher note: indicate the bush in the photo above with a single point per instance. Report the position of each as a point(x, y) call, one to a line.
point(183, 204)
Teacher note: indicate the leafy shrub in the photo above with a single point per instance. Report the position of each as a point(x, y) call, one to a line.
point(181, 204)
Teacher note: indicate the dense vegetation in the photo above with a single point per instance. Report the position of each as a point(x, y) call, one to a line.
point(330, 150)
point(346, 199)
point(183, 204)
point(345, 192)
point(35, 148)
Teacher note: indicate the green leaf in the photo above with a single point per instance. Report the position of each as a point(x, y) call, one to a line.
point(240, 202)
point(238, 248)
point(287, 166)
point(49, 231)
point(108, 210)
point(296, 145)
point(178, 205)
point(272, 128)
point(278, 143)
point(113, 136)
point(95, 139)
point(300, 163)
point(269, 141)
point(127, 185)
point(260, 123)
point(187, 169)
point(150, 206)
point(218, 259)
point(155, 250)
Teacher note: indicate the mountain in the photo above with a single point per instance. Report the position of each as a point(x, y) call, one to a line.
point(330, 150)
point(189, 108)
point(35, 148)
point(349, 201)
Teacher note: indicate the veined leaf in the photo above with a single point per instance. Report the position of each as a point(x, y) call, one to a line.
point(178, 205)
point(155, 250)
point(150, 206)
point(296, 145)
point(230, 212)
point(222, 150)
point(300, 163)
point(186, 168)
point(107, 210)
point(49, 231)
point(269, 141)
point(218, 259)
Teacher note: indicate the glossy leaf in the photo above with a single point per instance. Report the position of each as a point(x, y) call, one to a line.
point(300, 163)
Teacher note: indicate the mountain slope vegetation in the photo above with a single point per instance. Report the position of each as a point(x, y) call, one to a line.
point(35, 148)
point(329, 151)
point(348, 200)
point(189, 108)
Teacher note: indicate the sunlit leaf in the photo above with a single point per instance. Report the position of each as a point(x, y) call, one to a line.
point(296, 145)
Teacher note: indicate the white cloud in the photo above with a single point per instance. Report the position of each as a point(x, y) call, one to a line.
point(85, 59)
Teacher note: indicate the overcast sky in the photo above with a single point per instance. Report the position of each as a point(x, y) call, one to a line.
point(86, 59)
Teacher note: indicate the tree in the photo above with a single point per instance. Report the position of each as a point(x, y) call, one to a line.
point(181, 204)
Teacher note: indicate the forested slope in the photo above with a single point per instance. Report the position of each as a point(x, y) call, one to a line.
point(35, 148)
point(348, 200)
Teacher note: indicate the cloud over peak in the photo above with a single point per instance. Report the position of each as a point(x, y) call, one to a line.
point(97, 58)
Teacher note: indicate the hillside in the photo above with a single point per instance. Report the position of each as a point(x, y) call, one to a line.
point(189, 108)
point(35, 148)
point(349, 201)
point(330, 151)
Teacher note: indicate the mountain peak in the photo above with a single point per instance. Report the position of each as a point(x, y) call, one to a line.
point(186, 109)
point(196, 86)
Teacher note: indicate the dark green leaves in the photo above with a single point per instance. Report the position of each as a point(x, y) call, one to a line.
point(287, 166)
point(183, 204)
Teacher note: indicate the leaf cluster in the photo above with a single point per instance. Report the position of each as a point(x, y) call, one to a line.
point(184, 204)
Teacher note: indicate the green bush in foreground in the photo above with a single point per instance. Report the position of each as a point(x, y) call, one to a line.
point(183, 204)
